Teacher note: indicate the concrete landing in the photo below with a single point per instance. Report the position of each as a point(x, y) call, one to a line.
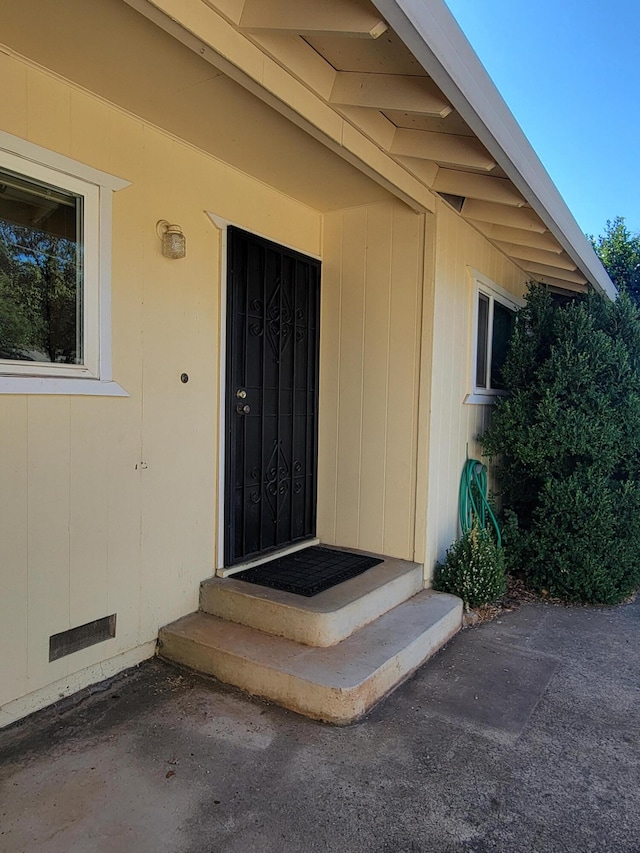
point(322, 620)
point(338, 684)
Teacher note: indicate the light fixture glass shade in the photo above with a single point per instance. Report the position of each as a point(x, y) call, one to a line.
point(174, 243)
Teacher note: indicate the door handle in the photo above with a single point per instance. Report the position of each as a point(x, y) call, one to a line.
point(243, 410)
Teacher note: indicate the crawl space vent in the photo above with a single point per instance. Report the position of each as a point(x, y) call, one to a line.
point(68, 642)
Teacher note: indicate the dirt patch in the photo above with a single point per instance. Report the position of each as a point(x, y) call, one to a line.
point(518, 594)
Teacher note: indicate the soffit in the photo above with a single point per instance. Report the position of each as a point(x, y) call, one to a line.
point(385, 54)
point(388, 55)
point(451, 124)
point(366, 95)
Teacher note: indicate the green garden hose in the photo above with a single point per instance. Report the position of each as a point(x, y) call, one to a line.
point(474, 502)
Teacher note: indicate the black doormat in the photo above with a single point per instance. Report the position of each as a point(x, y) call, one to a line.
point(308, 572)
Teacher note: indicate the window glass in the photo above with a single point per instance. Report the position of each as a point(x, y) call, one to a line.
point(495, 317)
point(483, 337)
point(503, 320)
point(41, 311)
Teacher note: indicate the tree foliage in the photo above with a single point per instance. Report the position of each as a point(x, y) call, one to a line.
point(619, 251)
point(566, 440)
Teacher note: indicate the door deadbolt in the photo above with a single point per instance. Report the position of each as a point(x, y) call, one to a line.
point(241, 394)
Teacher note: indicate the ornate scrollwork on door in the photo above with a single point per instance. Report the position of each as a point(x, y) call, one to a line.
point(279, 316)
point(256, 328)
point(277, 478)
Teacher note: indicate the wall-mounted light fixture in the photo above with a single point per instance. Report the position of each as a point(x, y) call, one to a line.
point(174, 243)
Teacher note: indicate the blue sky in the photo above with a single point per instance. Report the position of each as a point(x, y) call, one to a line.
point(570, 72)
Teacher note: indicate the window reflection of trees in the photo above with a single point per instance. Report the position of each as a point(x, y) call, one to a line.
point(39, 295)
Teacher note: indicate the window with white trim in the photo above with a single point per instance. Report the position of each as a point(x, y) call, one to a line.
point(55, 221)
point(48, 254)
point(494, 321)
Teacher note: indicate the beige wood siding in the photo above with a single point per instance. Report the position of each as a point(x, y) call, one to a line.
point(370, 352)
point(109, 505)
point(455, 426)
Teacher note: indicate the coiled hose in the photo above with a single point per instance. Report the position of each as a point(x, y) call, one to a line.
point(474, 502)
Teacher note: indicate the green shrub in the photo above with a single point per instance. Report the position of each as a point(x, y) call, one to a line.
point(473, 568)
point(567, 442)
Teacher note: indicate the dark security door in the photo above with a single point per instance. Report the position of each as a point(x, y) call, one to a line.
point(272, 397)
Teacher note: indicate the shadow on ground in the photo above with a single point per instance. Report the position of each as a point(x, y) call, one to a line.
point(521, 735)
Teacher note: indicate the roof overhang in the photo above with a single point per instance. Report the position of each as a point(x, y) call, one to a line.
point(435, 39)
point(394, 88)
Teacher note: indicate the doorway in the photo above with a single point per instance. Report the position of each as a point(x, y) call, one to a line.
point(273, 304)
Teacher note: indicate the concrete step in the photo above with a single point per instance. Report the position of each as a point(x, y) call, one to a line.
point(323, 620)
point(337, 684)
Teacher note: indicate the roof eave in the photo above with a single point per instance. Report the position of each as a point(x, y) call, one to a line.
point(432, 35)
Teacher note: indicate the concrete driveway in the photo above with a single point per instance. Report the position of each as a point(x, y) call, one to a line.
point(521, 735)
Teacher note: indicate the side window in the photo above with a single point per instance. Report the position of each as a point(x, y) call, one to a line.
point(54, 273)
point(494, 320)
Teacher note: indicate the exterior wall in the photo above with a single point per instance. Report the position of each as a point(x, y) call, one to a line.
point(109, 505)
point(370, 360)
point(112, 505)
point(455, 425)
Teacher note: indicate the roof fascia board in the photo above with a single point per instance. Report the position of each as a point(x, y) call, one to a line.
point(432, 35)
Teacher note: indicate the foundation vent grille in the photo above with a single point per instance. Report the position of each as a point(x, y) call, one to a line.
point(68, 642)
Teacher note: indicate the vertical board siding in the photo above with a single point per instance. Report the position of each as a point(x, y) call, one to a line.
point(88, 511)
point(352, 307)
point(330, 331)
point(14, 542)
point(455, 426)
point(48, 559)
point(371, 302)
point(403, 379)
point(14, 109)
point(375, 384)
point(110, 505)
point(48, 107)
